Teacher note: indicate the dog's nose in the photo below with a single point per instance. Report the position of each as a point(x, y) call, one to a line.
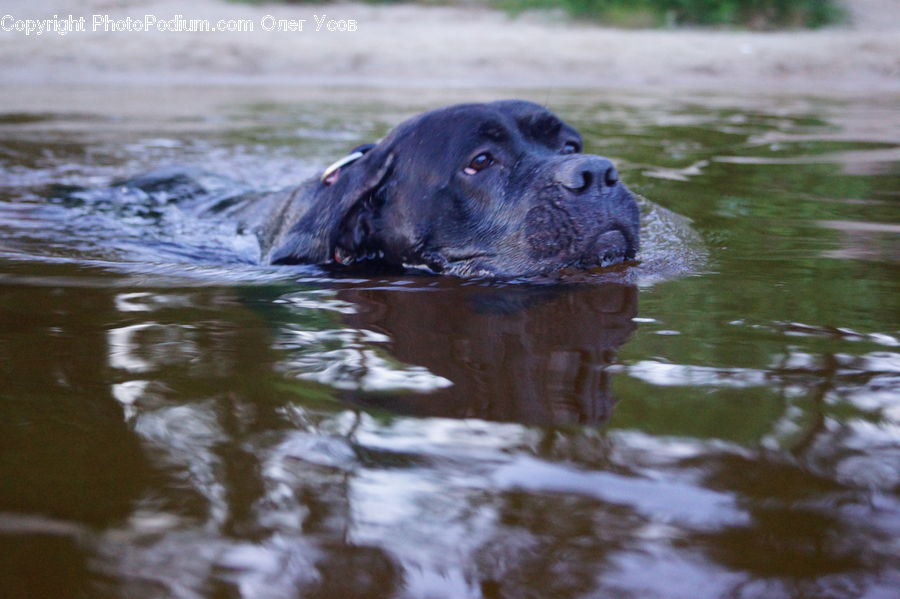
point(579, 174)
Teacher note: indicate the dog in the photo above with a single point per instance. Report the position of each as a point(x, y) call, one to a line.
point(497, 190)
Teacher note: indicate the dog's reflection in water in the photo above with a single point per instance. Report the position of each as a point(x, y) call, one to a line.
point(530, 354)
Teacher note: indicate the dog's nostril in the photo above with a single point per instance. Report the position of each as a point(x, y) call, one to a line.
point(587, 179)
point(611, 176)
point(578, 180)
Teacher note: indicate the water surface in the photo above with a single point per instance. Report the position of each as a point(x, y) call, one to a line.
point(176, 421)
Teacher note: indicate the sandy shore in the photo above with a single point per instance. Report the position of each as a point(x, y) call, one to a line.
point(409, 46)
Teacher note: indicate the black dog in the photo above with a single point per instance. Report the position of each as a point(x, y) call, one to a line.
point(496, 190)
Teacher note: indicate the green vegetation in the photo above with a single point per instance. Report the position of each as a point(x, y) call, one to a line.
point(755, 14)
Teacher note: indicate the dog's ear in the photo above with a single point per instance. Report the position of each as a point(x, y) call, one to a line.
point(338, 224)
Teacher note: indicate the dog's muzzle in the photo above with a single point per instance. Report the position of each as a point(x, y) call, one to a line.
point(576, 220)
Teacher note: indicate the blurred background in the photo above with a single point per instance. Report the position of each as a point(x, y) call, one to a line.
point(805, 45)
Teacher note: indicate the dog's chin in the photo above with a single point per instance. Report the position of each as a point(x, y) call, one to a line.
point(608, 249)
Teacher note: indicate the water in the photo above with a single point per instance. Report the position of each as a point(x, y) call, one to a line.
point(178, 422)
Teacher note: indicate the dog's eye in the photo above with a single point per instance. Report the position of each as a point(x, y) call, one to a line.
point(479, 163)
point(570, 147)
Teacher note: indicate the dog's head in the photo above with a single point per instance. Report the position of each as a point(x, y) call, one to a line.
point(500, 189)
